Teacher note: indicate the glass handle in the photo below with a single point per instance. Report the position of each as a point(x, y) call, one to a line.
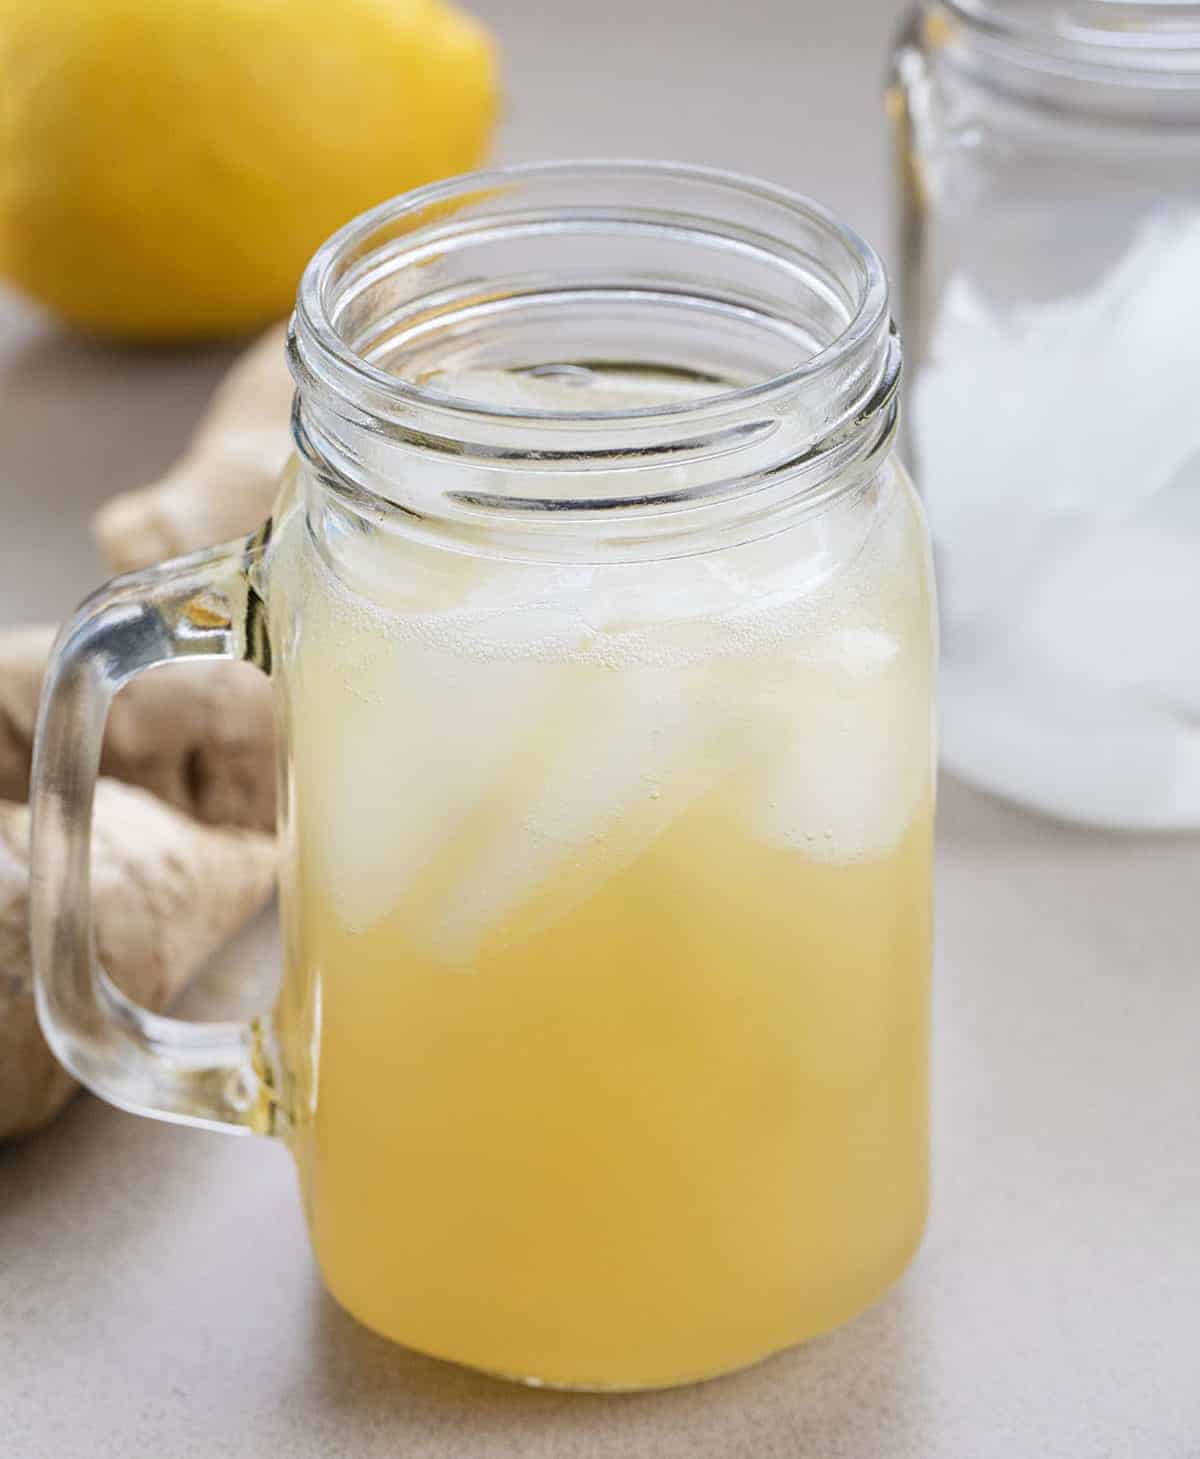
point(218, 1075)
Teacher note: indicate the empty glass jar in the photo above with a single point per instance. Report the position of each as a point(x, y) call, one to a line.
point(1048, 163)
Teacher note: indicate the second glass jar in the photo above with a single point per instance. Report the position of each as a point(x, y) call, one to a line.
point(1048, 169)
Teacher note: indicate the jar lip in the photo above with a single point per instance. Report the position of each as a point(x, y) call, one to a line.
point(1141, 42)
point(328, 356)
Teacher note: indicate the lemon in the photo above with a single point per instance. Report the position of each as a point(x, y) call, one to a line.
point(168, 166)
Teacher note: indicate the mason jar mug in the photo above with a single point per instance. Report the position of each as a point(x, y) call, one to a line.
point(1048, 171)
point(598, 611)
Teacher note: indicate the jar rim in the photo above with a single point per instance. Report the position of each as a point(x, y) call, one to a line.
point(321, 351)
point(627, 265)
point(1147, 43)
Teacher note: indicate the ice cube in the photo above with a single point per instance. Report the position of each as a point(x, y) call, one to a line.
point(1030, 426)
point(1059, 454)
point(1112, 623)
point(404, 723)
point(626, 761)
point(846, 753)
point(388, 781)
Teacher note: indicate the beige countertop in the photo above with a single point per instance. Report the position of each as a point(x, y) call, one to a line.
point(156, 1294)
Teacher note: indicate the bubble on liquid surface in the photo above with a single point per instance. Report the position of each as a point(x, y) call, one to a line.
point(578, 376)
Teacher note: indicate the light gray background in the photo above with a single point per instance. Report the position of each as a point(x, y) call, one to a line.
point(156, 1295)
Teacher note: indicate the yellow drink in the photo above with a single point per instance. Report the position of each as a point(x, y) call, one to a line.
point(608, 946)
point(649, 1142)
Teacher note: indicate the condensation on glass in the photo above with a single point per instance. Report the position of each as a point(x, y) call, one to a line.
point(598, 611)
point(1048, 170)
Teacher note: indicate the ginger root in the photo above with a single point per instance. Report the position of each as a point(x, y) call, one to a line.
point(166, 893)
point(225, 484)
point(199, 735)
